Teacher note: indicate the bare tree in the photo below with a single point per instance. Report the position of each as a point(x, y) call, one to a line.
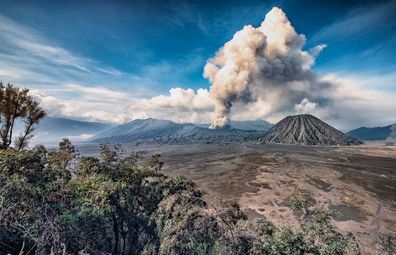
point(34, 114)
point(17, 103)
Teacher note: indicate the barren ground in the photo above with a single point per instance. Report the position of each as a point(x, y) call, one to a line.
point(357, 182)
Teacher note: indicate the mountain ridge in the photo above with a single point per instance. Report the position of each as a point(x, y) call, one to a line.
point(169, 132)
point(53, 129)
point(374, 133)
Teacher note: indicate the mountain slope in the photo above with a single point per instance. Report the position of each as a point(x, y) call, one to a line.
point(392, 136)
point(72, 127)
point(169, 132)
point(306, 129)
point(52, 129)
point(374, 133)
point(253, 125)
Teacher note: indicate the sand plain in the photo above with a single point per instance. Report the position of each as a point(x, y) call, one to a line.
point(357, 182)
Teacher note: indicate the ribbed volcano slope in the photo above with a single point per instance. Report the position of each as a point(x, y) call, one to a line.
point(306, 129)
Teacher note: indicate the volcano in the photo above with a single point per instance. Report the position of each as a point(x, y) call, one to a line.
point(306, 129)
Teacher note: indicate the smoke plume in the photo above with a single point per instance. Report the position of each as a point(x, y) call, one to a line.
point(266, 63)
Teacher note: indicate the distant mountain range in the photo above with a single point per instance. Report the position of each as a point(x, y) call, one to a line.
point(52, 129)
point(374, 133)
point(306, 129)
point(71, 127)
point(169, 132)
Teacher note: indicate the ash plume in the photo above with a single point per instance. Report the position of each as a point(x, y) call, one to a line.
point(265, 63)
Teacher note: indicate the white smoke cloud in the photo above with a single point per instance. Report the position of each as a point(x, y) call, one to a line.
point(305, 106)
point(263, 64)
point(180, 105)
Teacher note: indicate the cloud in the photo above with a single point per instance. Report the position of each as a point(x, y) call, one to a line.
point(181, 105)
point(29, 48)
point(305, 106)
point(359, 101)
point(82, 103)
point(29, 60)
point(361, 20)
point(103, 92)
point(59, 78)
point(266, 63)
point(184, 14)
point(179, 99)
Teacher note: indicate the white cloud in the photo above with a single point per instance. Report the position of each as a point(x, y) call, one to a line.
point(359, 21)
point(98, 106)
point(93, 92)
point(305, 106)
point(359, 102)
point(29, 60)
point(28, 47)
point(181, 105)
point(179, 99)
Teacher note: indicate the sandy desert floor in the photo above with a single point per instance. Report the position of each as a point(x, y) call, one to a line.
point(357, 182)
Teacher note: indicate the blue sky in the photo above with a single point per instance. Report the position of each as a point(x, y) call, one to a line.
point(142, 49)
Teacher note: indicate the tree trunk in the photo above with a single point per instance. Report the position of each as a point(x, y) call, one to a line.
point(123, 242)
point(114, 250)
point(11, 128)
point(4, 136)
point(27, 131)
